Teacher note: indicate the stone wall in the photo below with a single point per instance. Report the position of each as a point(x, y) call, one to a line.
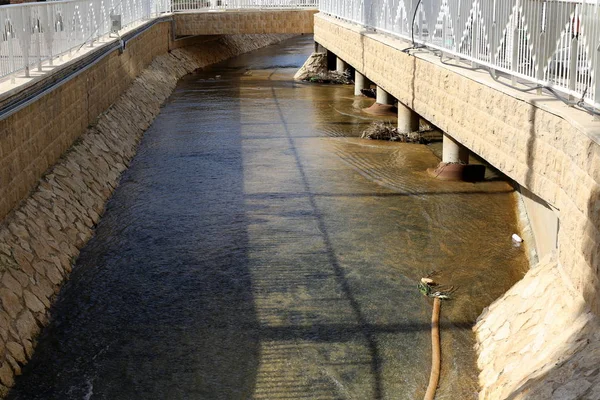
point(548, 148)
point(41, 237)
point(244, 22)
point(32, 139)
point(539, 341)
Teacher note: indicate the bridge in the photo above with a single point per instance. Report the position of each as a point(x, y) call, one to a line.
point(512, 81)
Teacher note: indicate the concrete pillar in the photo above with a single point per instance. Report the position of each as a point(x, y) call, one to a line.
point(319, 48)
point(360, 82)
point(340, 65)
point(383, 97)
point(455, 164)
point(408, 120)
point(384, 104)
point(454, 152)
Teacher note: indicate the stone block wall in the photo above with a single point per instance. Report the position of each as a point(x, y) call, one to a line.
point(552, 151)
point(244, 22)
point(81, 137)
point(32, 139)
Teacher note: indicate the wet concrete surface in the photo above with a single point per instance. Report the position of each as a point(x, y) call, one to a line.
point(257, 248)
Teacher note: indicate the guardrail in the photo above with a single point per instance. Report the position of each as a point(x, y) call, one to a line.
point(35, 33)
point(207, 5)
point(545, 43)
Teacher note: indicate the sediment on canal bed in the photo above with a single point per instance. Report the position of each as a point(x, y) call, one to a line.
point(41, 237)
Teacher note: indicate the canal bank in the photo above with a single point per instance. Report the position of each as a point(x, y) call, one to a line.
point(258, 248)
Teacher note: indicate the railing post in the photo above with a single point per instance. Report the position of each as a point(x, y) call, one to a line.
point(26, 39)
point(37, 31)
point(90, 19)
point(420, 23)
point(541, 61)
point(573, 54)
point(11, 53)
point(515, 52)
point(474, 41)
point(515, 43)
point(493, 46)
point(444, 22)
point(596, 82)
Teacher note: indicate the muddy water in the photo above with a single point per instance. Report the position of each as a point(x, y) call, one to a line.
point(257, 248)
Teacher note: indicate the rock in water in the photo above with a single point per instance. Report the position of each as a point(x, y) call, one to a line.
point(315, 65)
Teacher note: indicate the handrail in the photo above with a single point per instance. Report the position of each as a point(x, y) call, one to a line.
point(553, 44)
point(34, 34)
point(208, 5)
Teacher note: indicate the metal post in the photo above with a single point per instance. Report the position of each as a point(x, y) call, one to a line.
point(596, 82)
point(573, 54)
point(493, 46)
point(26, 41)
point(474, 41)
point(541, 61)
point(11, 54)
point(515, 53)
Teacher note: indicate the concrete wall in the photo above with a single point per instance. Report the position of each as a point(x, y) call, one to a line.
point(547, 148)
point(80, 137)
point(244, 22)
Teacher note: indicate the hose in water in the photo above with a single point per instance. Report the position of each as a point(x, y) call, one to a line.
point(429, 288)
point(436, 352)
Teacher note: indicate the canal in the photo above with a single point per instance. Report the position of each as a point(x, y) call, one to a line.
point(257, 248)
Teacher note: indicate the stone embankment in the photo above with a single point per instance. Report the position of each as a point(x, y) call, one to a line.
point(539, 341)
point(41, 238)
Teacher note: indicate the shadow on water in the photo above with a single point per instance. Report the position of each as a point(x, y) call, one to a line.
point(232, 267)
point(160, 305)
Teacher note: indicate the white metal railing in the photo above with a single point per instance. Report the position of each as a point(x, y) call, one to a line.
point(551, 43)
point(35, 33)
point(194, 5)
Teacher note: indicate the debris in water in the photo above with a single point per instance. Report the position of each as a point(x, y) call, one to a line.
point(315, 70)
point(332, 77)
point(369, 92)
point(516, 238)
point(428, 287)
point(315, 65)
point(386, 131)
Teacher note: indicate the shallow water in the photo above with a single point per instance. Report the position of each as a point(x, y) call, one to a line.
point(257, 248)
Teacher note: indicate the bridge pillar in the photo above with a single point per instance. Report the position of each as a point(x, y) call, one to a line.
point(360, 82)
point(455, 163)
point(384, 97)
point(408, 120)
point(384, 104)
point(319, 48)
point(454, 152)
point(340, 65)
